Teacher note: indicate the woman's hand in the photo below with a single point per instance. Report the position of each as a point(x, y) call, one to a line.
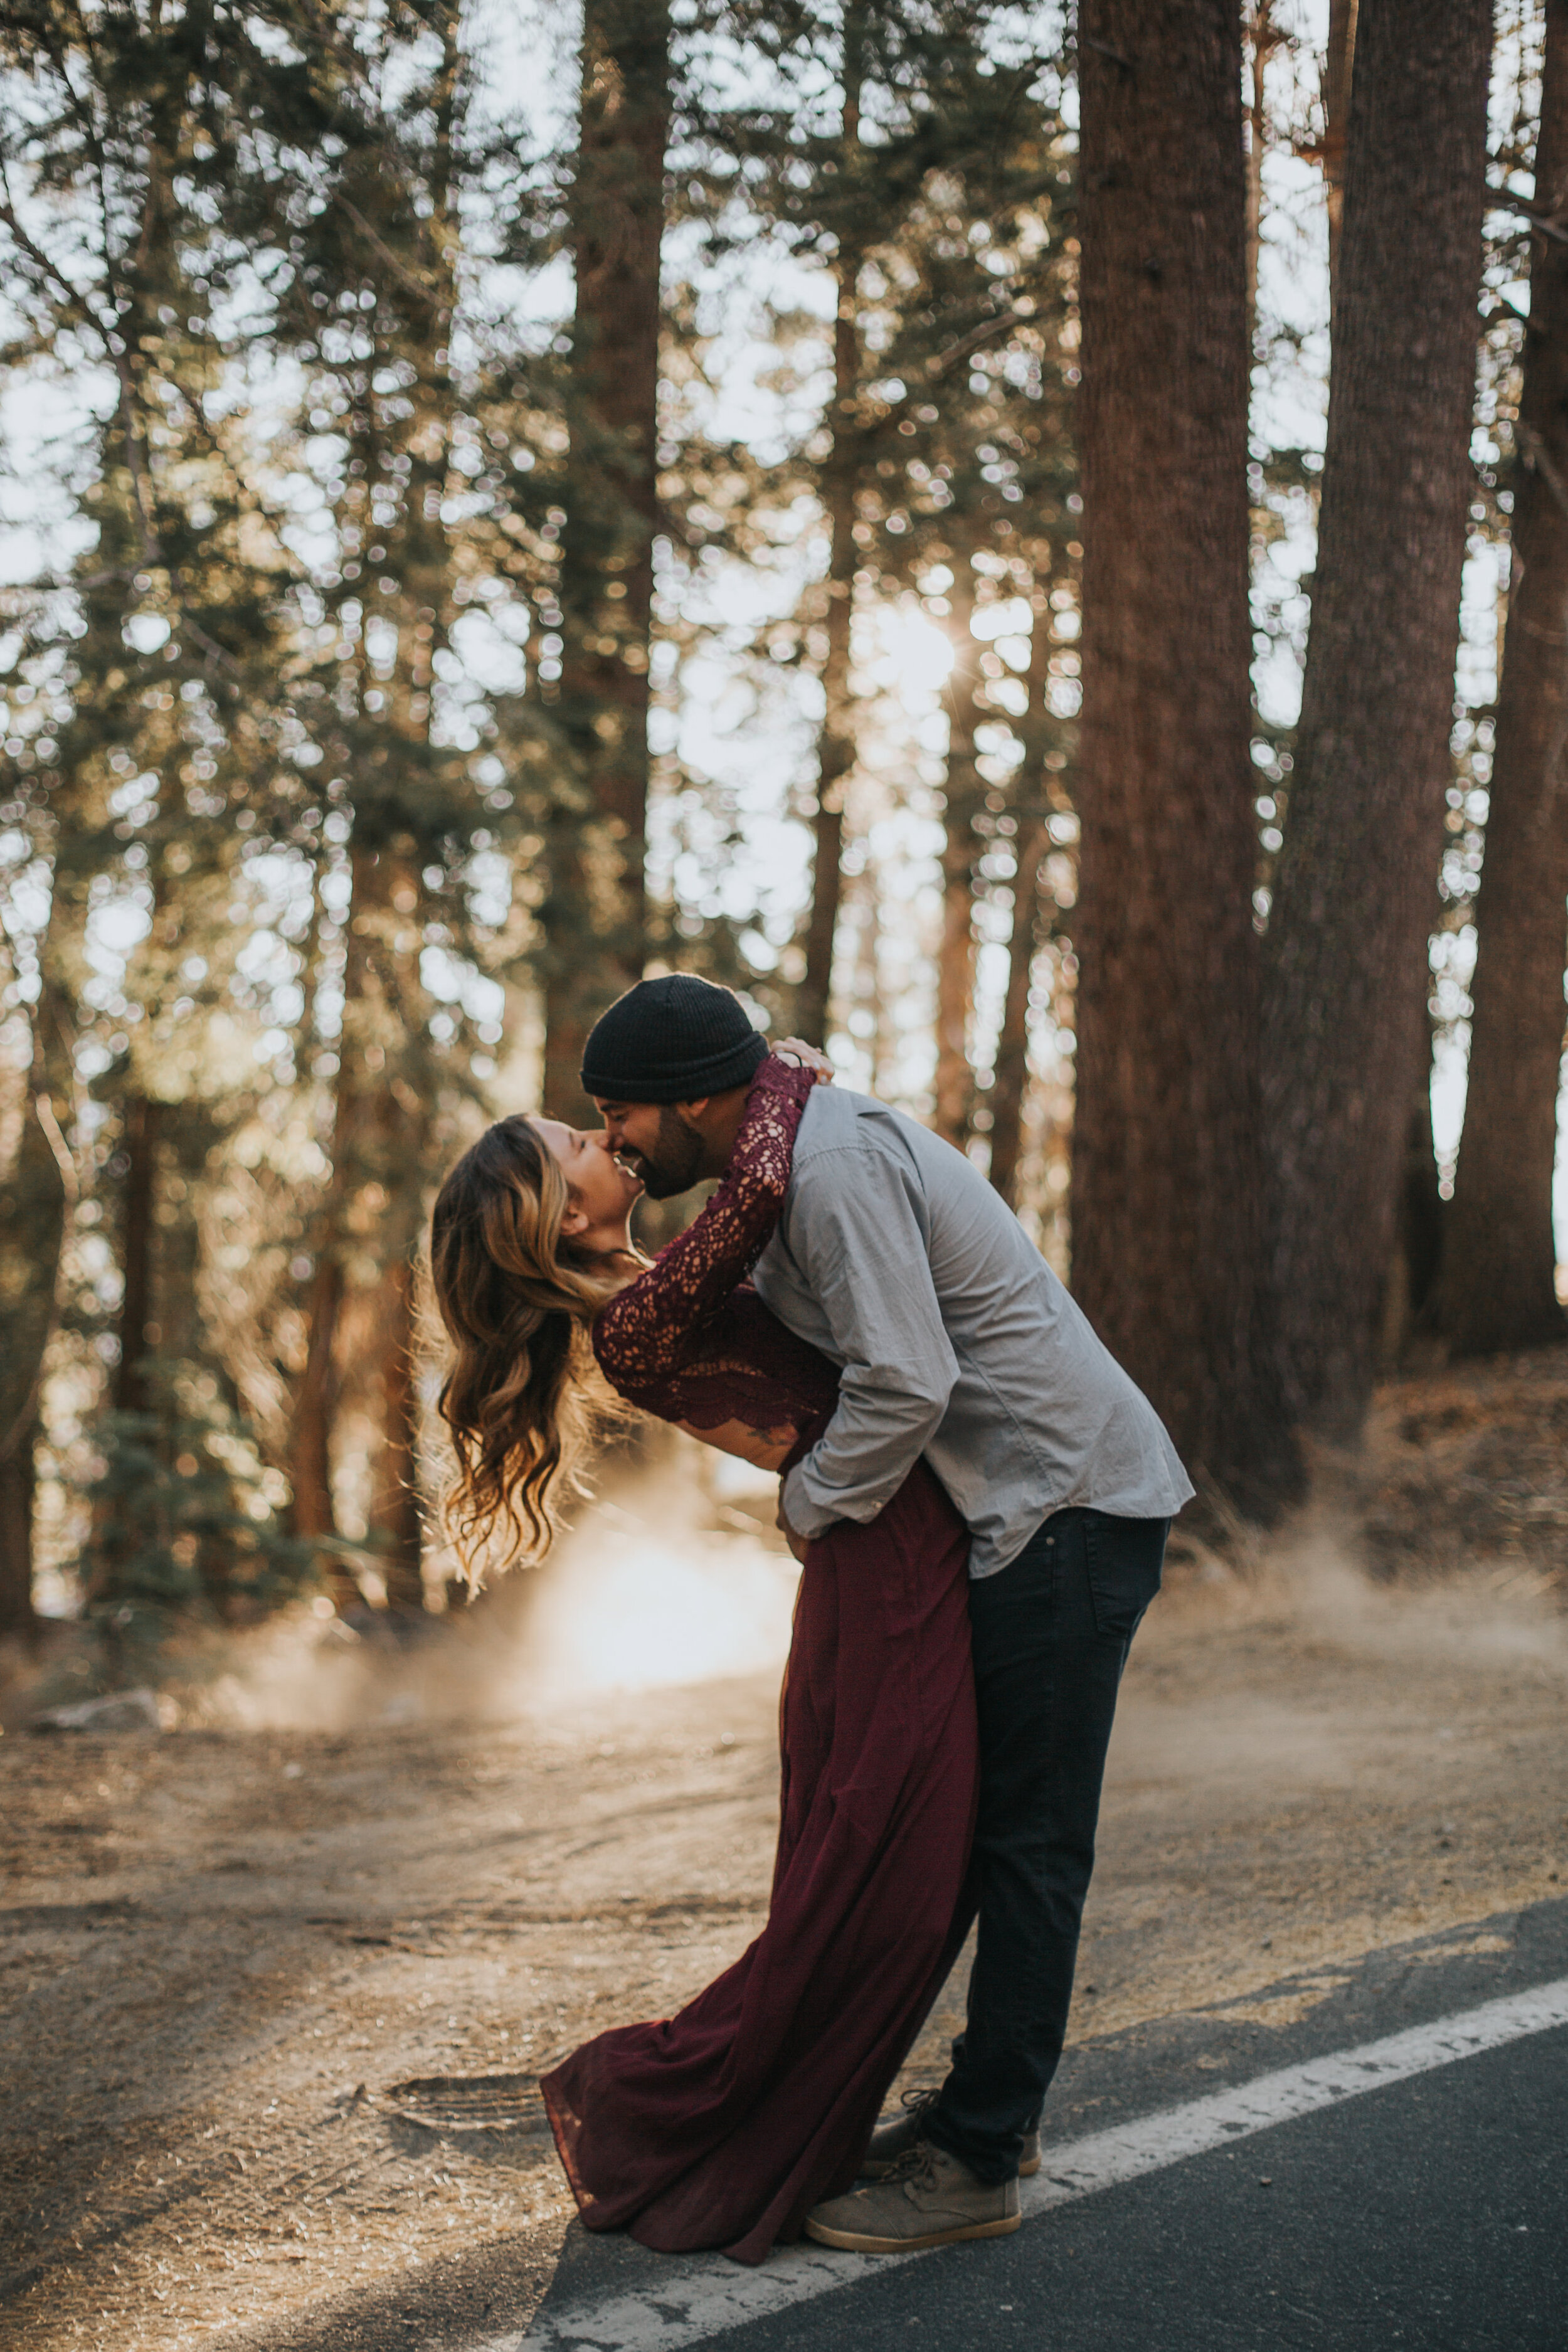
point(805, 1057)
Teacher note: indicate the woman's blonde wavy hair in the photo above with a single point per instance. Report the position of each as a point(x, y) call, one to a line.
point(522, 1394)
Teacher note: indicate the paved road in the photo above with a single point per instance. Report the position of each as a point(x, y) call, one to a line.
point(1429, 2214)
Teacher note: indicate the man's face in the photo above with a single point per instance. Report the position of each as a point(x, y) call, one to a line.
point(656, 1141)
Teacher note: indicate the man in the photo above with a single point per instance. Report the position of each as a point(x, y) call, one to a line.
point(955, 1340)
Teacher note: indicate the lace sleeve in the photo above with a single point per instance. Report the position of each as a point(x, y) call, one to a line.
point(656, 1326)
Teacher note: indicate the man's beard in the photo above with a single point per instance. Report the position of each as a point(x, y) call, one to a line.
point(671, 1167)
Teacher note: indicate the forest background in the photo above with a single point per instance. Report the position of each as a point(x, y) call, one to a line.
point(504, 499)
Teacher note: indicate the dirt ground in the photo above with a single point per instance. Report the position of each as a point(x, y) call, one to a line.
point(222, 1947)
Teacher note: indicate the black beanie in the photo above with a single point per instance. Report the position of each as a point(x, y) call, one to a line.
point(670, 1040)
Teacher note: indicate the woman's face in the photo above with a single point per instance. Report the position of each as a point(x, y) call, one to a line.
point(602, 1191)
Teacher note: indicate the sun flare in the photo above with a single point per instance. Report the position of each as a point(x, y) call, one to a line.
point(917, 652)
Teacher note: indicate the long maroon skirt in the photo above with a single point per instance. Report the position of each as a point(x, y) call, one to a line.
point(723, 2126)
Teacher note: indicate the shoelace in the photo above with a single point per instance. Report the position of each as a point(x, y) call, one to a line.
point(916, 2168)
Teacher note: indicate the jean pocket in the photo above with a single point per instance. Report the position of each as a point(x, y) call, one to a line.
point(1125, 1557)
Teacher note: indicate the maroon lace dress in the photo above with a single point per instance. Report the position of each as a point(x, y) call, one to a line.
point(723, 2126)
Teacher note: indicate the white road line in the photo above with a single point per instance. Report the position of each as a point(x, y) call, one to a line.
point(698, 2296)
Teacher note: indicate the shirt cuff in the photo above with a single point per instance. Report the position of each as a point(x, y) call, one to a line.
point(805, 1518)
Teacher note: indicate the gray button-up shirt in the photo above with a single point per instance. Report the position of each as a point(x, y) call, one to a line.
point(895, 1257)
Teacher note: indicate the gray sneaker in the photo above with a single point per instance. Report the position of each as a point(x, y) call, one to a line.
point(931, 2200)
point(890, 2143)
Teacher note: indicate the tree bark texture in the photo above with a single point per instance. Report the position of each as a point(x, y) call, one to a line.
point(1354, 898)
point(1499, 1287)
point(1166, 1168)
point(963, 798)
point(594, 918)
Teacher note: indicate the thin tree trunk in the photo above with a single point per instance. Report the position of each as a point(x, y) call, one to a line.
point(594, 918)
point(308, 1445)
point(33, 1201)
point(313, 1424)
point(395, 1516)
point(139, 1143)
point(1499, 1287)
point(835, 742)
point(35, 1198)
point(18, 1618)
point(1031, 845)
point(1261, 40)
point(380, 1150)
point(312, 1515)
point(835, 739)
point(130, 1392)
point(1011, 1077)
point(1166, 1236)
point(964, 796)
point(390, 1124)
point(1344, 1020)
point(1337, 67)
point(395, 1143)
point(870, 997)
point(1419, 1219)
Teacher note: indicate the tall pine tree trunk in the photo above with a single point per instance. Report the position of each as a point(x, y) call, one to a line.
point(595, 915)
point(1344, 1027)
point(1499, 1282)
point(377, 1189)
point(835, 737)
point(1165, 1198)
point(964, 797)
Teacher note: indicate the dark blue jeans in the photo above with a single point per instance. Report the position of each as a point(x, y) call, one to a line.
point(1051, 1635)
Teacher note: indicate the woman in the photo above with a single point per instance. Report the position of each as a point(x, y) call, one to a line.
point(723, 2126)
